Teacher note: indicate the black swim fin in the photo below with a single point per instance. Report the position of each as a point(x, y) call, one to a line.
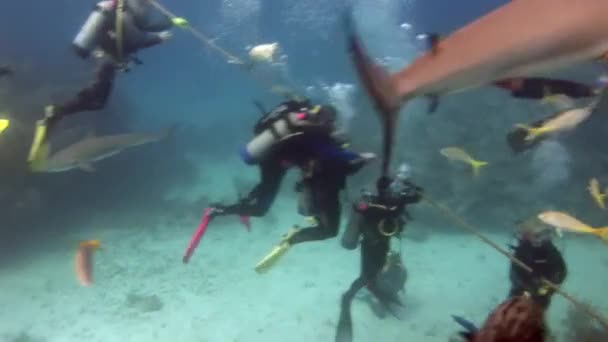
point(344, 330)
point(386, 299)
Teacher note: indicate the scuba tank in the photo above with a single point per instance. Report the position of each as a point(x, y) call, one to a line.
point(288, 119)
point(90, 33)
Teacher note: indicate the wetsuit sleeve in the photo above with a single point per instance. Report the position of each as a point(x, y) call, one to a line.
point(149, 39)
point(350, 238)
point(140, 10)
point(411, 193)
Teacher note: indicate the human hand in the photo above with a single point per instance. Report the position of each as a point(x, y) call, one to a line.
point(368, 156)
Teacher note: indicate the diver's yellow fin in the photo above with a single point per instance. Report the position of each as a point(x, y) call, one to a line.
point(39, 137)
point(4, 124)
point(277, 252)
point(271, 259)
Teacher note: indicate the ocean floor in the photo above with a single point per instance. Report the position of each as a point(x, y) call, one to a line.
point(143, 292)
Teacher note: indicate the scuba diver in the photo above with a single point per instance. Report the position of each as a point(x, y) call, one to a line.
point(108, 31)
point(114, 36)
point(536, 249)
point(296, 133)
point(91, 98)
point(374, 221)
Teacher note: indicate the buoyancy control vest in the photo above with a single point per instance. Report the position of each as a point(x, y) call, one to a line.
point(289, 119)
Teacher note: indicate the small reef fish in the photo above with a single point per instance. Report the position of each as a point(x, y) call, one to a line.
point(559, 122)
point(518, 39)
point(82, 154)
point(264, 52)
point(563, 221)
point(596, 194)
point(83, 261)
point(458, 154)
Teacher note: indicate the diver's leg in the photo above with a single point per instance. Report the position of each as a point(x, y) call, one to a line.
point(328, 219)
point(261, 198)
point(373, 259)
point(93, 97)
point(344, 330)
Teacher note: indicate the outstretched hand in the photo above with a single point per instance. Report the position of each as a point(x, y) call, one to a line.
point(368, 156)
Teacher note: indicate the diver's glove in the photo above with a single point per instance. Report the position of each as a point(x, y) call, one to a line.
point(412, 193)
point(180, 22)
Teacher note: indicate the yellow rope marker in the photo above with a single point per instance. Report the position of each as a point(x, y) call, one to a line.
point(473, 230)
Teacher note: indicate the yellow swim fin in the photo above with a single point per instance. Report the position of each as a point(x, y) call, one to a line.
point(277, 252)
point(4, 123)
point(39, 137)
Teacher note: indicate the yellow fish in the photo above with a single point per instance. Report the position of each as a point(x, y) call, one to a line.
point(458, 154)
point(561, 121)
point(594, 191)
point(566, 222)
point(4, 124)
point(562, 101)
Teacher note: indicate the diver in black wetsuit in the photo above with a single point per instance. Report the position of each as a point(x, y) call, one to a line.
point(536, 249)
point(100, 34)
point(296, 133)
point(91, 98)
point(374, 220)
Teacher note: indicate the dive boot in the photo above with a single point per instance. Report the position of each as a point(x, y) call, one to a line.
point(277, 252)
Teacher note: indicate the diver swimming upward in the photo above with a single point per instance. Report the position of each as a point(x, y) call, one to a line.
point(301, 135)
point(376, 219)
point(118, 34)
point(114, 43)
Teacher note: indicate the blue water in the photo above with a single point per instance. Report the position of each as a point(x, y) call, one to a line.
point(145, 203)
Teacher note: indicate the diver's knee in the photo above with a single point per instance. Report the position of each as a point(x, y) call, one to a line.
point(349, 244)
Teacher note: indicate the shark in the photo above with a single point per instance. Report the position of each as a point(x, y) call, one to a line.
point(521, 38)
point(82, 154)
